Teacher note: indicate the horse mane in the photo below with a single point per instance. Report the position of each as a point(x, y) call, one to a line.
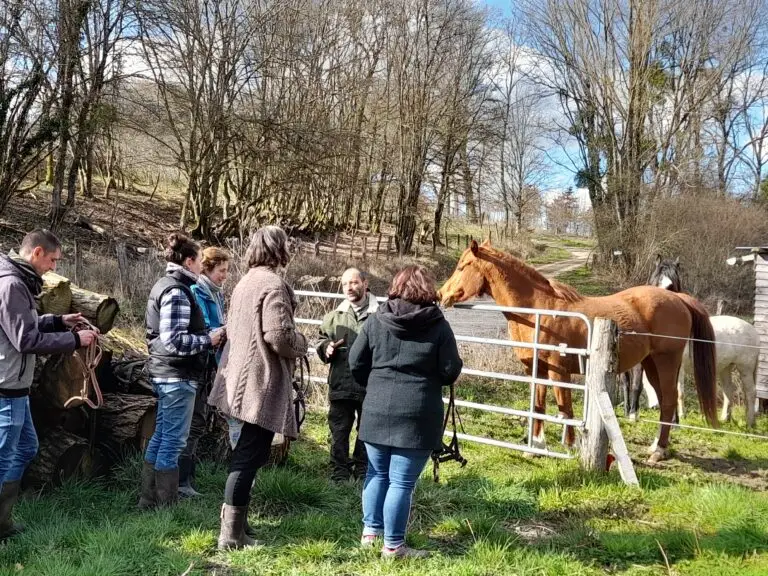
point(508, 263)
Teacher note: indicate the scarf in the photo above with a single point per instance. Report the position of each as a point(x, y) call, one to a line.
point(214, 291)
point(171, 267)
point(29, 275)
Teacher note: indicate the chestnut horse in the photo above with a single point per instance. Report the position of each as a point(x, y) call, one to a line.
point(643, 309)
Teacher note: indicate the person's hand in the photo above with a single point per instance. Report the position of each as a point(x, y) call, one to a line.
point(72, 320)
point(218, 335)
point(87, 337)
point(330, 350)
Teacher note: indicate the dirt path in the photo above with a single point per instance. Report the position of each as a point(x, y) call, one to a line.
point(493, 324)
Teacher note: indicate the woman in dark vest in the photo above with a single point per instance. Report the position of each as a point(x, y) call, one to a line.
point(179, 345)
point(404, 355)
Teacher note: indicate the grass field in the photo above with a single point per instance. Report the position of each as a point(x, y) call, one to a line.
point(501, 514)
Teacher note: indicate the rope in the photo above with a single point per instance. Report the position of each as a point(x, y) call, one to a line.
point(92, 358)
point(449, 451)
point(634, 333)
point(701, 428)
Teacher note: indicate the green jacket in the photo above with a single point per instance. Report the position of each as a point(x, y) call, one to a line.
point(343, 323)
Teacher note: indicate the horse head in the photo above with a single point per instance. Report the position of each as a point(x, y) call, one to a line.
point(667, 274)
point(468, 279)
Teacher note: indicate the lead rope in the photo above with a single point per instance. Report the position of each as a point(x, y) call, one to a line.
point(451, 450)
point(89, 364)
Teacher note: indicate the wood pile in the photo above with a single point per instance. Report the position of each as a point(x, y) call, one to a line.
point(77, 440)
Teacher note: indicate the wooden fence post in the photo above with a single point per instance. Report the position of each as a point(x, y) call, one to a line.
point(335, 243)
point(365, 248)
point(601, 424)
point(378, 245)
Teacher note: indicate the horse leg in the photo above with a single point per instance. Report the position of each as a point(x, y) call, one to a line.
point(636, 387)
point(565, 407)
point(729, 393)
point(666, 369)
point(750, 395)
point(625, 384)
point(540, 407)
point(681, 392)
point(650, 393)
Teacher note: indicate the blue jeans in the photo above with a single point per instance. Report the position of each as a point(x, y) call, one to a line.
point(18, 440)
point(175, 405)
point(389, 483)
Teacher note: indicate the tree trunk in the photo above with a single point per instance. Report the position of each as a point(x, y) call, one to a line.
point(126, 420)
point(99, 309)
point(56, 297)
point(62, 455)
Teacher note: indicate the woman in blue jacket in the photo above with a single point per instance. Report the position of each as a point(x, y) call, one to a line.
point(209, 293)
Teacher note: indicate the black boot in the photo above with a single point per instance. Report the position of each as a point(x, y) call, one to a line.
point(167, 486)
point(9, 495)
point(147, 497)
point(231, 534)
point(186, 475)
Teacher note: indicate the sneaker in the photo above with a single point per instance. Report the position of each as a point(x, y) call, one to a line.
point(188, 492)
point(403, 551)
point(368, 540)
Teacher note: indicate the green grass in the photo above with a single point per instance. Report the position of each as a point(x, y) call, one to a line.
point(586, 282)
point(501, 514)
point(548, 255)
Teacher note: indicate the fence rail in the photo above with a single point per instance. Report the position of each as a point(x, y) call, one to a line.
point(532, 381)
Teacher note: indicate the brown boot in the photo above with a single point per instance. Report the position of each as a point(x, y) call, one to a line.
point(147, 497)
point(9, 495)
point(232, 534)
point(167, 487)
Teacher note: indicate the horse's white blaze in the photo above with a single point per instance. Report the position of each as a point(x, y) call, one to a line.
point(736, 347)
point(665, 282)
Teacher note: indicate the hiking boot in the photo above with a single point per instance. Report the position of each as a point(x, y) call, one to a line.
point(147, 496)
point(167, 486)
point(9, 495)
point(232, 534)
point(403, 551)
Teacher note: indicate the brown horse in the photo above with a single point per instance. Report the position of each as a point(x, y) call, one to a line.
point(643, 309)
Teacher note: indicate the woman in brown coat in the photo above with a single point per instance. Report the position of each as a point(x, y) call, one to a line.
point(253, 383)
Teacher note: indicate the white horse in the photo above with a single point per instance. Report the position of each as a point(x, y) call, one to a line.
point(736, 347)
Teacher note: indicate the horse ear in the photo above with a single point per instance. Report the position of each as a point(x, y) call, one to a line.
point(486, 243)
point(474, 247)
point(658, 259)
point(677, 261)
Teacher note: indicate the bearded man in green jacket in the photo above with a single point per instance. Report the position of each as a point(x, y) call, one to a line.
point(338, 333)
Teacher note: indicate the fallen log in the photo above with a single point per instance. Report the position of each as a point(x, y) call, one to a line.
point(56, 297)
point(125, 423)
point(62, 455)
point(99, 310)
point(63, 377)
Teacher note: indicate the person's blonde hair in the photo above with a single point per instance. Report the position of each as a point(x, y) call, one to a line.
point(213, 256)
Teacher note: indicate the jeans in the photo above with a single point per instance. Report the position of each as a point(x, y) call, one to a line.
point(341, 419)
point(389, 483)
point(18, 440)
point(187, 460)
point(235, 429)
point(175, 404)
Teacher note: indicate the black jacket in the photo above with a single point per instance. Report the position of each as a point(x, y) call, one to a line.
point(404, 355)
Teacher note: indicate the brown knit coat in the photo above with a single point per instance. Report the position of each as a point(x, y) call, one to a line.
point(253, 382)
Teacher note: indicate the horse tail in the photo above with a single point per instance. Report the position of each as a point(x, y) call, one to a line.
point(703, 357)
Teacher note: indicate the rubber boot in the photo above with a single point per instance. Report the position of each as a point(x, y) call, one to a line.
point(147, 497)
point(232, 533)
point(167, 486)
point(9, 495)
point(186, 474)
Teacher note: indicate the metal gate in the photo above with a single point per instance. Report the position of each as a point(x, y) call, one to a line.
point(564, 349)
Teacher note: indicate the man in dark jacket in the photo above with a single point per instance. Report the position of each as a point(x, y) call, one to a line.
point(23, 334)
point(339, 330)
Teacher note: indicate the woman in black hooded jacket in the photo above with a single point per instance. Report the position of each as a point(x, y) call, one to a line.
point(404, 355)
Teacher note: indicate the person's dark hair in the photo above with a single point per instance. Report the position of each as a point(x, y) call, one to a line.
point(41, 237)
point(268, 247)
point(179, 247)
point(414, 284)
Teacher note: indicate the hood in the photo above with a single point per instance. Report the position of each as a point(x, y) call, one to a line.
point(403, 318)
point(13, 265)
